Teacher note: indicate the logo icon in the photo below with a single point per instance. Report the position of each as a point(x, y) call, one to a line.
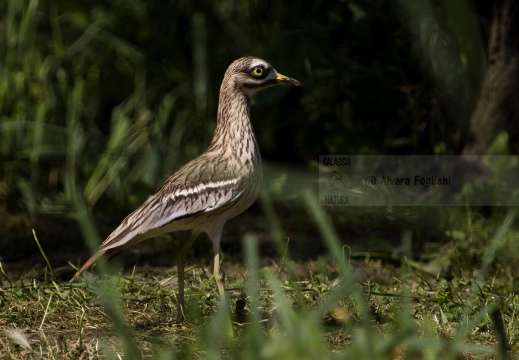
point(338, 181)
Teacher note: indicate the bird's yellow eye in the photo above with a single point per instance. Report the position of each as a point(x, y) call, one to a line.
point(257, 72)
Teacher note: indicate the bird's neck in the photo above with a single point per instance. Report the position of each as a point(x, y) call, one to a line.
point(234, 131)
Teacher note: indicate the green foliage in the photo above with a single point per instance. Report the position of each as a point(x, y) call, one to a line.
point(335, 313)
point(120, 94)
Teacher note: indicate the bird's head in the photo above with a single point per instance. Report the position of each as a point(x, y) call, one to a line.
point(251, 74)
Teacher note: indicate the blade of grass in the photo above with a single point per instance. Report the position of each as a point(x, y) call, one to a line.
point(251, 255)
point(43, 254)
point(45, 313)
point(275, 225)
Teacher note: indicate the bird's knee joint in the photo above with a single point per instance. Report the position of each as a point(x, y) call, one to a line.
point(219, 275)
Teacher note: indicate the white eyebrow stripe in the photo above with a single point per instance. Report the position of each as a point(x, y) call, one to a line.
point(259, 62)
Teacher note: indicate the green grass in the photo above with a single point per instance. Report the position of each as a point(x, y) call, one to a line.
point(339, 306)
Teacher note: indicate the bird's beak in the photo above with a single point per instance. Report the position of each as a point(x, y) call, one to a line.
point(285, 80)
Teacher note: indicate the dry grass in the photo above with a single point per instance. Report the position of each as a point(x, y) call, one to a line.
point(410, 314)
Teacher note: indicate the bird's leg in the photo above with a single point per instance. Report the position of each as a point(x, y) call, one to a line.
point(218, 277)
point(181, 262)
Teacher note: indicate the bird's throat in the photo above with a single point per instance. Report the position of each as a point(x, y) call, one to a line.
point(234, 130)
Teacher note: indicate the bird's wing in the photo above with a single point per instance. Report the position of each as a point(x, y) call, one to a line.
point(183, 201)
point(202, 185)
point(194, 189)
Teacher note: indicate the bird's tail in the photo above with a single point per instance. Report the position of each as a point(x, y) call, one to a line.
point(111, 246)
point(87, 265)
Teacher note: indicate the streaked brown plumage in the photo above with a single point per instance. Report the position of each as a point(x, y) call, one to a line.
point(214, 187)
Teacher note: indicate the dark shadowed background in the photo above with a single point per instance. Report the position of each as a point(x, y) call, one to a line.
point(101, 100)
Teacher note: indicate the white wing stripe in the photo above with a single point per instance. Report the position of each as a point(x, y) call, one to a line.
point(201, 187)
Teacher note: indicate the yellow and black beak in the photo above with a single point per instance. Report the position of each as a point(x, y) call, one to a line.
point(285, 80)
